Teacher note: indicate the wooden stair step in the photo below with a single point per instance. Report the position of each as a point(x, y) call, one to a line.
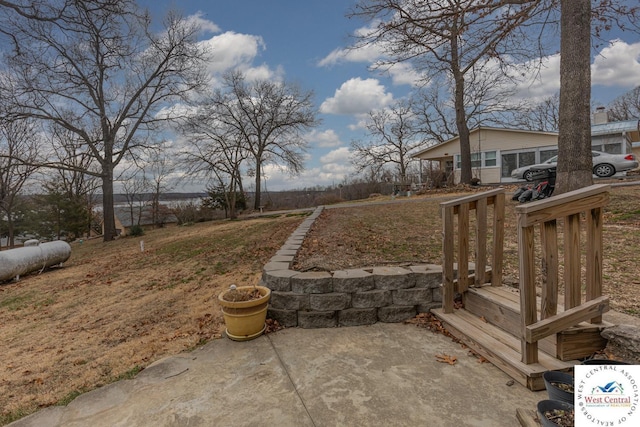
point(510, 298)
point(500, 306)
point(500, 348)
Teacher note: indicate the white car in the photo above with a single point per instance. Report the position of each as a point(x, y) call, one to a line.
point(604, 165)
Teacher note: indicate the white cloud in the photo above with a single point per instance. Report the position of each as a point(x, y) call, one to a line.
point(235, 51)
point(263, 72)
point(367, 54)
point(205, 25)
point(401, 73)
point(617, 65)
point(404, 74)
point(339, 155)
point(332, 169)
point(230, 50)
point(324, 139)
point(357, 96)
point(540, 83)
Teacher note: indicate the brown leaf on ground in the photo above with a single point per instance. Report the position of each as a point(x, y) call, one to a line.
point(445, 358)
point(272, 326)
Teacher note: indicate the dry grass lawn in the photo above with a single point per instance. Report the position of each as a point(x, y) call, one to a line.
point(411, 232)
point(112, 309)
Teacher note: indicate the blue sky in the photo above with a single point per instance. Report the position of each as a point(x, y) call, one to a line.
point(303, 41)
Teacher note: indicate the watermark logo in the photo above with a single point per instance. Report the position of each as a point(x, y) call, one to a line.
point(607, 395)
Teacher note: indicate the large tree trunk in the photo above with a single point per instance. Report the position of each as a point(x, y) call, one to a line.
point(574, 140)
point(461, 115)
point(463, 132)
point(11, 242)
point(232, 202)
point(108, 213)
point(257, 201)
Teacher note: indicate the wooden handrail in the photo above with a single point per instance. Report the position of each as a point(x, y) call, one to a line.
point(569, 208)
point(556, 207)
point(566, 319)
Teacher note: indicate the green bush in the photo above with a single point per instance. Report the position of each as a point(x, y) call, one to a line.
point(136, 230)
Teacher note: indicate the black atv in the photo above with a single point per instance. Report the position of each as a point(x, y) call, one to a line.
point(545, 179)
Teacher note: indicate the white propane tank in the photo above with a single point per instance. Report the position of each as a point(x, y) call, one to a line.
point(19, 261)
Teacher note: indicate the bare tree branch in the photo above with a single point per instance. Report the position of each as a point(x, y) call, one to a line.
point(99, 72)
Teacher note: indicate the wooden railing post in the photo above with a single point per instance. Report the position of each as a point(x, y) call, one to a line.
point(528, 307)
point(481, 242)
point(549, 294)
point(462, 208)
point(463, 247)
point(572, 281)
point(594, 255)
point(448, 291)
point(498, 240)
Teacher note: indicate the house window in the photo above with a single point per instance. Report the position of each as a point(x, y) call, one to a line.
point(476, 160)
point(613, 148)
point(547, 154)
point(479, 160)
point(511, 161)
point(527, 158)
point(490, 159)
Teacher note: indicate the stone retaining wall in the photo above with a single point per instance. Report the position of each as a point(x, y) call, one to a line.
point(353, 297)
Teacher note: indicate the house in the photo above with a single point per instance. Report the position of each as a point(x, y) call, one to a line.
point(495, 152)
point(126, 217)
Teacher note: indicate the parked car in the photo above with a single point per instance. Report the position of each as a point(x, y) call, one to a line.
point(604, 165)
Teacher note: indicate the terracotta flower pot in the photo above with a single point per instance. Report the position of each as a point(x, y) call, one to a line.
point(245, 320)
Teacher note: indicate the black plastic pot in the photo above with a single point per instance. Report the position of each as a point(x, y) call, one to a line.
point(549, 405)
point(556, 393)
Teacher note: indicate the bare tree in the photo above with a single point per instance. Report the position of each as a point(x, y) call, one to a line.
point(485, 95)
point(216, 150)
point(35, 10)
point(435, 115)
point(41, 10)
point(100, 72)
point(271, 118)
point(74, 181)
point(393, 135)
point(543, 116)
point(18, 141)
point(626, 107)
point(134, 189)
point(158, 170)
point(454, 38)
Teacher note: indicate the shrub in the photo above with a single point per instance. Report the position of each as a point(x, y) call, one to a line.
point(136, 230)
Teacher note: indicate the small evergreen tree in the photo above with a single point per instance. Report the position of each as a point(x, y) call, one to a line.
point(60, 213)
point(219, 199)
